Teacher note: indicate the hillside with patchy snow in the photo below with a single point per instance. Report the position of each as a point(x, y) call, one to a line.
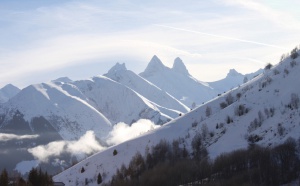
point(263, 111)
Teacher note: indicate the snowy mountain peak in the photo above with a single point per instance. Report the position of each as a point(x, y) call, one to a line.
point(10, 87)
point(154, 65)
point(117, 67)
point(63, 79)
point(155, 59)
point(155, 62)
point(179, 66)
point(7, 92)
point(233, 73)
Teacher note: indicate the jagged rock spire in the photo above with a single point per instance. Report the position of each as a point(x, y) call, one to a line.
point(179, 66)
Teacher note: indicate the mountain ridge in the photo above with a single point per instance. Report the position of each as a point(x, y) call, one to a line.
point(146, 88)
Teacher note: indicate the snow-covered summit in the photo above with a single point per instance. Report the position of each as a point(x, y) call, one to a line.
point(177, 82)
point(179, 67)
point(63, 79)
point(234, 73)
point(154, 66)
point(232, 80)
point(116, 68)
point(10, 88)
point(164, 101)
point(7, 92)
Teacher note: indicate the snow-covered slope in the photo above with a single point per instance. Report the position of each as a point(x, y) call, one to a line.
point(45, 113)
point(128, 78)
point(69, 115)
point(118, 102)
point(76, 107)
point(264, 111)
point(178, 82)
point(8, 92)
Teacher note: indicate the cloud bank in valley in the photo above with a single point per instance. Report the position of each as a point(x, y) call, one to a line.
point(122, 132)
point(88, 143)
point(8, 137)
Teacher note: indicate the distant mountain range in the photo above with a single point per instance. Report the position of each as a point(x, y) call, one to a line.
point(65, 110)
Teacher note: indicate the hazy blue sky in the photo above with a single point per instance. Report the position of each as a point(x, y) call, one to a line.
point(43, 40)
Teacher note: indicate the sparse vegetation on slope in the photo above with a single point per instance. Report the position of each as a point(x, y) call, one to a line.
point(169, 165)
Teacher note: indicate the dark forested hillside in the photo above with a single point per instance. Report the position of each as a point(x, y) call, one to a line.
point(168, 164)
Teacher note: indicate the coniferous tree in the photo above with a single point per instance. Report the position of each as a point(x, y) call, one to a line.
point(33, 177)
point(115, 152)
point(99, 178)
point(39, 178)
point(4, 178)
point(21, 181)
point(185, 153)
point(253, 166)
point(268, 66)
point(294, 53)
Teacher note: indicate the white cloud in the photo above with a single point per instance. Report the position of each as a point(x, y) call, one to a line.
point(220, 36)
point(88, 144)
point(85, 145)
point(122, 132)
point(63, 35)
point(8, 137)
point(280, 17)
point(43, 153)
